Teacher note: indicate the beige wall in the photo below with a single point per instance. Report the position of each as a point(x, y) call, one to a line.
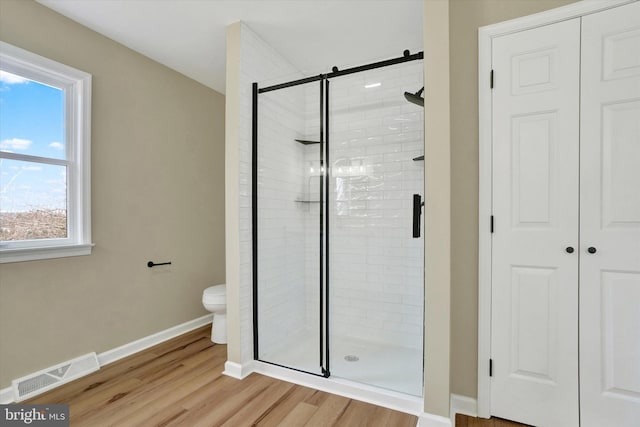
point(158, 194)
point(437, 214)
point(465, 18)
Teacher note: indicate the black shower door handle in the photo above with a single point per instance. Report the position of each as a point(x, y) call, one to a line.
point(417, 211)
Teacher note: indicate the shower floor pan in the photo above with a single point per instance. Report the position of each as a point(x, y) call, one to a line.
point(389, 367)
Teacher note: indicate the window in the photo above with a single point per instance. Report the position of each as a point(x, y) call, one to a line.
point(45, 201)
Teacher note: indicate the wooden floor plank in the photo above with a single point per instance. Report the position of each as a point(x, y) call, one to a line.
point(279, 413)
point(400, 419)
point(218, 412)
point(148, 402)
point(180, 383)
point(176, 412)
point(150, 386)
point(466, 421)
point(252, 411)
point(329, 411)
point(299, 415)
point(356, 414)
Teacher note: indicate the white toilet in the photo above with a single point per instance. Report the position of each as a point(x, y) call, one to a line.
point(214, 299)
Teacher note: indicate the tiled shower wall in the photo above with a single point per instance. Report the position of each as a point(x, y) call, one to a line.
point(259, 62)
point(376, 267)
point(376, 274)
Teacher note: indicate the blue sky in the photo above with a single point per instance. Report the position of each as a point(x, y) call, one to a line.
point(31, 123)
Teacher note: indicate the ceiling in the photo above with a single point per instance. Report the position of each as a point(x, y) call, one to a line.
point(314, 35)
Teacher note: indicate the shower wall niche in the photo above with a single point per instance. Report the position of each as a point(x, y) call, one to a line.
point(339, 284)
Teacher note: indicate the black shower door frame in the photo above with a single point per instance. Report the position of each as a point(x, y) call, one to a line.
point(324, 82)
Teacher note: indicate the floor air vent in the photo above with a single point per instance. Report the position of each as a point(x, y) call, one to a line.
point(39, 382)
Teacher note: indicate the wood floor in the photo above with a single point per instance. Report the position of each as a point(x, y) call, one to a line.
point(465, 421)
point(180, 383)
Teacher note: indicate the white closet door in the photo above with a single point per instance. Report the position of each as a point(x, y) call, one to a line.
point(610, 219)
point(534, 325)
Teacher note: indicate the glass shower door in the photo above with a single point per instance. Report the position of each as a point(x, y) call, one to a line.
point(289, 311)
point(375, 150)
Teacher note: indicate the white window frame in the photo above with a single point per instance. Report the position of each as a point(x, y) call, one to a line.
point(76, 85)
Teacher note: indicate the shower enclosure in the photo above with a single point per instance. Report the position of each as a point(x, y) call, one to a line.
point(337, 248)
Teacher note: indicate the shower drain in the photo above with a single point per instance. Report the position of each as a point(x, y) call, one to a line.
point(351, 358)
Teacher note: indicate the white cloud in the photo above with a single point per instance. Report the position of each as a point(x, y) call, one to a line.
point(11, 79)
point(31, 168)
point(57, 145)
point(15, 144)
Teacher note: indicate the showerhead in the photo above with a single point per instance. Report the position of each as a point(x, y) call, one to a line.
point(415, 98)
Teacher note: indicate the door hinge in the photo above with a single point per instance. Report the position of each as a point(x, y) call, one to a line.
point(492, 223)
point(491, 79)
point(490, 367)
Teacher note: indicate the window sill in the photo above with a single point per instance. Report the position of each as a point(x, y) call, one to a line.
point(32, 254)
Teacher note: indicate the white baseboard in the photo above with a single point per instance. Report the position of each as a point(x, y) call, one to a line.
point(459, 405)
point(463, 405)
point(238, 371)
point(429, 420)
point(118, 353)
point(6, 396)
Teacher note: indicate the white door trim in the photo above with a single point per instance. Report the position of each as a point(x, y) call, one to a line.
point(485, 37)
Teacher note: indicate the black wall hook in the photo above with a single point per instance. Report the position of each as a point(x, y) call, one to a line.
point(152, 264)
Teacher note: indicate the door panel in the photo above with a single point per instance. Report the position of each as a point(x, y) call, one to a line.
point(610, 219)
point(531, 169)
point(620, 158)
point(288, 228)
point(535, 205)
point(533, 293)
